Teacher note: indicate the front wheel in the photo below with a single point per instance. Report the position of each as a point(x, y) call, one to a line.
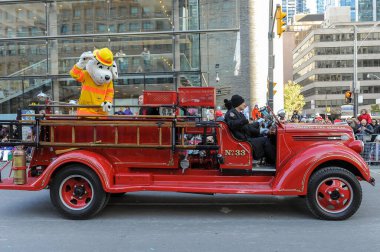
point(77, 192)
point(333, 194)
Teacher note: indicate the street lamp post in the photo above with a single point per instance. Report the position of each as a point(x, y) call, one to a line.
point(374, 75)
point(356, 87)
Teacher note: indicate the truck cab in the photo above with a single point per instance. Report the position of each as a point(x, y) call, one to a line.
point(83, 160)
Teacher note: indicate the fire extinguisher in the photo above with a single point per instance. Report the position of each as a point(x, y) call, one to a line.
point(19, 166)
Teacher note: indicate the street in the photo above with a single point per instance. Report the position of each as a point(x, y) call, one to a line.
point(150, 221)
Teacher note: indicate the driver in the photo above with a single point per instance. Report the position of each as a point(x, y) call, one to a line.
point(242, 129)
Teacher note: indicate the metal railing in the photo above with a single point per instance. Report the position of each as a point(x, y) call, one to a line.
point(371, 153)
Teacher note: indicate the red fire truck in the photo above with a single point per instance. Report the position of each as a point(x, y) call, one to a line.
point(84, 160)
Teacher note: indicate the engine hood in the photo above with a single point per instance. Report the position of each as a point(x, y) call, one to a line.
point(317, 128)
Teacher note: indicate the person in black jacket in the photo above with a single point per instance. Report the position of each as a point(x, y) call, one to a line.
point(242, 129)
point(296, 118)
point(147, 110)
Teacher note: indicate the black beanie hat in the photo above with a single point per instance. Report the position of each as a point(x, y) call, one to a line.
point(236, 100)
point(227, 104)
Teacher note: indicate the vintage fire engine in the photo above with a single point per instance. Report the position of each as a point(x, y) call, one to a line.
point(84, 160)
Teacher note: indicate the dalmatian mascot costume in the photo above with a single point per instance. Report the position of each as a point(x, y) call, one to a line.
point(96, 71)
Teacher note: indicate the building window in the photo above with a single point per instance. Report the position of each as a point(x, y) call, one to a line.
point(89, 13)
point(112, 28)
point(35, 31)
point(147, 11)
point(76, 13)
point(113, 12)
point(66, 14)
point(122, 28)
point(100, 13)
point(21, 14)
point(122, 12)
point(76, 28)
point(22, 31)
point(134, 27)
point(89, 28)
point(64, 29)
point(101, 27)
point(134, 11)
point(147, 26)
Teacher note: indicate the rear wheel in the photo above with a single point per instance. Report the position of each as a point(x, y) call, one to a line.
point(333, 194)
point(77, 192)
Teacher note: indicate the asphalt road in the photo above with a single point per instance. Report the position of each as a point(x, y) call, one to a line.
point(186, 222)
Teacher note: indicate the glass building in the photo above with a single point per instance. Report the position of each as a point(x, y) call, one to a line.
point(301, 7)
point(320, 6)
point(289, 7)
point(40, 41)
point(363, 10)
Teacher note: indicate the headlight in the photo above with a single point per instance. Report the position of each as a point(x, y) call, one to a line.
point(344, 137)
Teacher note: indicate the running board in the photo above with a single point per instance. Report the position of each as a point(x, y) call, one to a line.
point(263, 169)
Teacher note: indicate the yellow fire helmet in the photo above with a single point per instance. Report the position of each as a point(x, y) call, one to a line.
point(104, 56)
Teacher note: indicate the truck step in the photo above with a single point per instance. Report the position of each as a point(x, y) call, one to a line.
point(264, 169)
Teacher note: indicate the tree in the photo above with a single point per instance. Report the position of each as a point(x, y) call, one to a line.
point(293, 98)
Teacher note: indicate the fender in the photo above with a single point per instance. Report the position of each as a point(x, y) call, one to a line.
point(294, 175)
point(95, 161)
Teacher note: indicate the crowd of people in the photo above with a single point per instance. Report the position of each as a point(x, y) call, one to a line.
point(4, 133)
point(364, 126)
point(256, 126)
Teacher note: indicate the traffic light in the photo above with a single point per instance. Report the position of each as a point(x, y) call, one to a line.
point(274, 90)
point(280, 23)
point(348, 97)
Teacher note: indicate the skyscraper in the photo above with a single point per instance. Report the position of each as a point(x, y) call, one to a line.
point(289, 6)
point(301, 7)
point(350, 3)
point(292, 7)
point(320, 6)
point(366, 10)
point(361, 10)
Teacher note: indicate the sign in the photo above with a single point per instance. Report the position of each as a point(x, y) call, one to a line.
point(26, 130)
point(347, 111)
point(360, 99)
point(375, 110)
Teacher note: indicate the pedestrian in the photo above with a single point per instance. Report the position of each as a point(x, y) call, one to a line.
point(146, 58)
point(128, 111)
point(219, 116)
point(364, 115)
point(119, 112)
point(227, 104)
point(122, 61)
point(282, 115)
point(365, 129)
point(256, 113)
point(375, 125)
point(295, 117)
point(337, 120)
point(327, 120)
point(147, 110)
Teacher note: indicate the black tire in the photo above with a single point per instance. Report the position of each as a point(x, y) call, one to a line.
point(86, 201)
point(333, 193)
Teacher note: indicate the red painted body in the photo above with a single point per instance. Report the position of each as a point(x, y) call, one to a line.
point(301, 150)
